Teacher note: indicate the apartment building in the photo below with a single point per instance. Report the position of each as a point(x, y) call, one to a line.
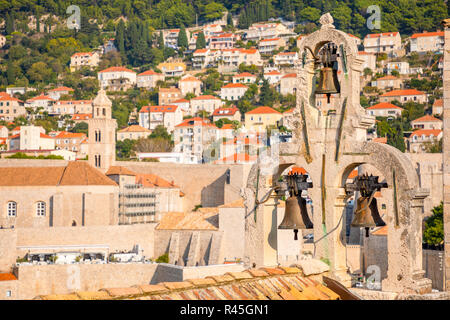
point(190, 84)
point(84, 59)
point(193, 137)
point(384, 109)
point(115, 78)
point(172, 69)
point(204, 58)
point(285, 58)
point(222, 41)
point(152, 116)
point(401, 66)
point(427, 122)
point(148, 79)
point(388, 42)
point(71, 141)
point(260, 31)
point(206, 103)
point(418, 139)
point(183, 104)
point(31, 138)
point(288, 84)
point(267, 46)
point(273, 77)
point(370, 60)
point(260, 118)
point(230, 59)
point(171, 38)
point(232, 113)
point(57, 93)
point(133, 132)
point(427, 42)
point(438, 107)
point(40, 101)
point(233, 91)
point(404, 96)
point(244, 77)
point(63, 107)
point(168, 95)
point(10, 107)
point(388, 82)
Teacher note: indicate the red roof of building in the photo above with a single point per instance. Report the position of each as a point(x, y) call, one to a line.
point(244, 74)
point(163, 109)
point(405, 92)
point(205, 97)
point(82, 54)
point(273, 39)
point(384, 105)
point(197, 121)
point(427, 118)
point(286, 53)
point(181, 101)
point(377, 35)
point(6, 97)
point(272, 73)
point(438, 103)
point(263, 110)
point(428, 34)
point(296, 170)
point(70, 135)
point(61, 89)
point(7, 277)
point(289, 75)
point(82, 116)
point(40, 97)
point(190, 79)
point(225, 111)
point(389, 77)
point(426, 132)
point(380, 140)
point(149, 73)
point(234, 85)
point(117, 69)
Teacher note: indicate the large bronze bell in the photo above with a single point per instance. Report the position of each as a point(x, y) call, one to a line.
point(296, 215)
point(328, 82)
point(367, 215)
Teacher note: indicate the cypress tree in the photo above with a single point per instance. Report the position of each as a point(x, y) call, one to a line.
point(120, 37)
point(161, 40)
point(182, 38)
point(10, 74)
point(201, 42)
point(229, 20)
point(38, 24)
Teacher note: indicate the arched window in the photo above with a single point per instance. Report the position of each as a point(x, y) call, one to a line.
point(12, 209)
point(104, 111)
point(40, 209)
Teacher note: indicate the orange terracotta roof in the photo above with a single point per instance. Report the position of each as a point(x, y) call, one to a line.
point(273, 39)
point(117, 69)
point(61, 89)
point(196, 121)
point(353, 174)
point(75, 173)
point(200, 51)
point(353, 36)
point(234, 85)
point(384, 105)
point(377, 35)
point(263, 110)
point(244, 74)
point(289, 75)
point(291, 110)
point(272, 73)
point(205, 97)
point(225, 111)
point(82, 54)
point(426, 132)
point(164, 109)
point(169, 90)
point(227, 126)
point(190, 79)
point(6, 97)
point(150, 73)
point(65, 134)
point(287, 53)
point(427, 118)
point(119, 170)
point(7, 277)
point(40, 97)
point(153, 181)
point(277, 283)
point(428, 34)
point(438, 103)
point(364, 53)
point(42, 135)
point(135, 128)
point(406, 92)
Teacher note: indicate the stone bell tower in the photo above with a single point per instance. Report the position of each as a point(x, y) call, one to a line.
point(102, 133)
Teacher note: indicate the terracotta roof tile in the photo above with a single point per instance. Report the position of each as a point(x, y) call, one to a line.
point(273, 271)
point(93, 295)
point(7, 277)
point(384, 105)
point(153, 288)
point(405, 92)
point(135, 128)
point(119, 170)
point(426, 132)
point(427, 118)
point(201, 282)
point(117, 69)
point(257, 272)
point(120, 292)
point(290, 270)
point(177, 285)
point(240, 275)
point(428, 34)
point(263, 110)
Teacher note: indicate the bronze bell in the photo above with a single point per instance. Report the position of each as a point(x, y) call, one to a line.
point(367, 216)
point(296, 215)
point(328, 82)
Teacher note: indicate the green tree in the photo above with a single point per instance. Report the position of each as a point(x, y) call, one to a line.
point(120, 37)
point(182, 38)
point(160, 40)
point(230, 20)
point(267, 94)
point(213, 11)
point(9, 23)
point(201, 42)
point(124, 148)
point(433, 233)
point(81, 127)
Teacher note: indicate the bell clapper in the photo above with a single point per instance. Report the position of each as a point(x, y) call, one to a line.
point(295, 234)
point(367, 232)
